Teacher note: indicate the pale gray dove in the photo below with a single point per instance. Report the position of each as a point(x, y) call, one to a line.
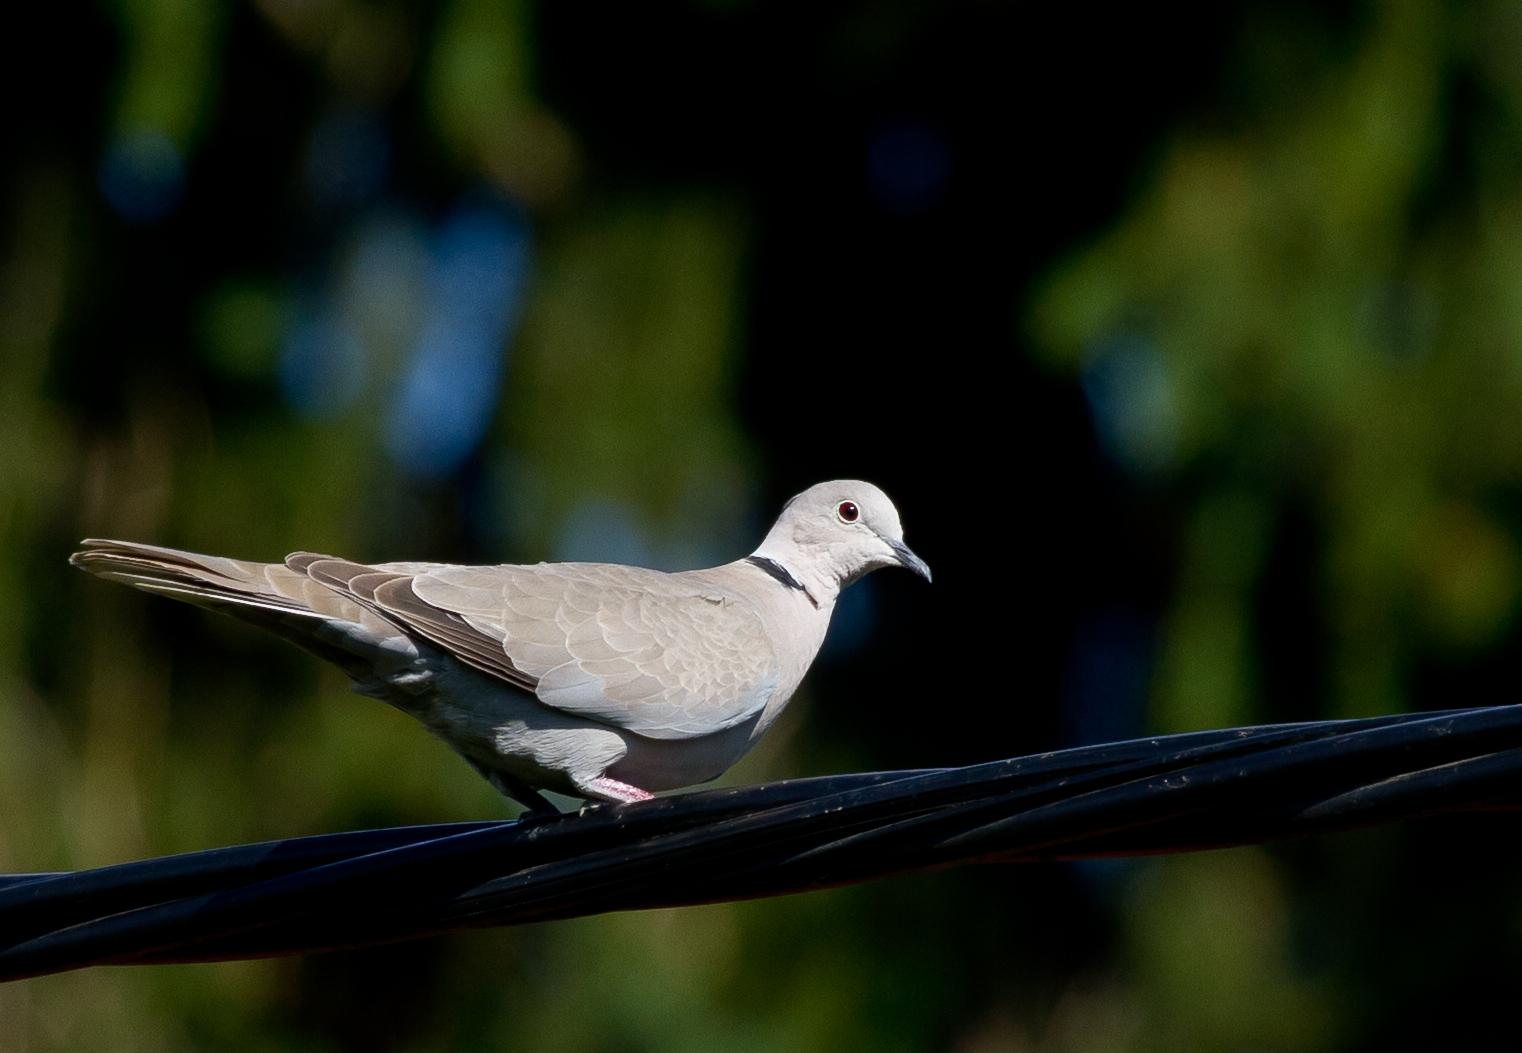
point(591, 679)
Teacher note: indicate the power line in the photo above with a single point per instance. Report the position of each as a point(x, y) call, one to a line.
point(1169, 794)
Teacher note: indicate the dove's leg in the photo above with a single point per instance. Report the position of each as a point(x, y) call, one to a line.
point(607, 789)
point(516, 789)
point(531, 799)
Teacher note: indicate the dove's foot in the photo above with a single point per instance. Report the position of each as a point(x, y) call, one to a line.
point(607, 789)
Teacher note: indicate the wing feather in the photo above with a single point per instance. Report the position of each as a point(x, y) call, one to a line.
point(649, 652)
point(656, 654)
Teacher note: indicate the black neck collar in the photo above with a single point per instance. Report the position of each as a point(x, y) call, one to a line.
point(781, 574)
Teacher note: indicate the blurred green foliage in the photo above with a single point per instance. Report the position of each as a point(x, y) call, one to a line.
point(170, 59)
point(1325, 294)
point(1334, 329)
point(625, 371)
point(1311, 307)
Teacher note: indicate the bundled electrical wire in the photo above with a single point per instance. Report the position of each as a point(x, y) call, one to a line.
point(1177, 793)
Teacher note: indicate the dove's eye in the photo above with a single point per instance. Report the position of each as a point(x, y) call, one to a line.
point(848, 512)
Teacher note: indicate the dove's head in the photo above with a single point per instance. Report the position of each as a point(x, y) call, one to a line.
point(837, 531)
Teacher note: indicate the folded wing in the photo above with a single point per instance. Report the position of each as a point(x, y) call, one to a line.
point(655, 654)
point(648, 652)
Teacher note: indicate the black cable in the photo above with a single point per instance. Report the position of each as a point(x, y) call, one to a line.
point(1176, 793)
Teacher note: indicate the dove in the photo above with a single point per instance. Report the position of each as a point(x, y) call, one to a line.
point(594, 680)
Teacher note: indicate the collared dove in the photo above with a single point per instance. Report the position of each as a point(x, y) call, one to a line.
point(591, 679)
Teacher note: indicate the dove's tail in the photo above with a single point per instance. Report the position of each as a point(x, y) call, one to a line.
point(279, 597)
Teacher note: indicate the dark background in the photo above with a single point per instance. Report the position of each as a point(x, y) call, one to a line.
point(860, 226)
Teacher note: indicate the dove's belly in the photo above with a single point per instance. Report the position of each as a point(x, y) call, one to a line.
point(670, 764)
point(500, 728)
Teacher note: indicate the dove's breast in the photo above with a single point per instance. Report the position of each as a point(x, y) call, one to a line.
point(793, 622)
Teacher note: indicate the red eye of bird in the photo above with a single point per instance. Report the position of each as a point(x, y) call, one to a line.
point(848, 512)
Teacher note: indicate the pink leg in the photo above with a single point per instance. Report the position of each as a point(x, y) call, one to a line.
point(612, 790)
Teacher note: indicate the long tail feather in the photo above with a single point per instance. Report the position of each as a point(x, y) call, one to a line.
point(189, 576)
point(278, 597)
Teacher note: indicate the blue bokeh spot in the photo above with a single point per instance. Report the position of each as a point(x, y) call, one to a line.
point(323, 366)
point(142, 175)
point(480, 271)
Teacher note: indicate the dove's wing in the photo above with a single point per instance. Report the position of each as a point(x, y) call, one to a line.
point(656, 654)
point(661, 655)
point(387, 590)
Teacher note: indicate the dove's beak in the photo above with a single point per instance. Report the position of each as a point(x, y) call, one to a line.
point(907, 559)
